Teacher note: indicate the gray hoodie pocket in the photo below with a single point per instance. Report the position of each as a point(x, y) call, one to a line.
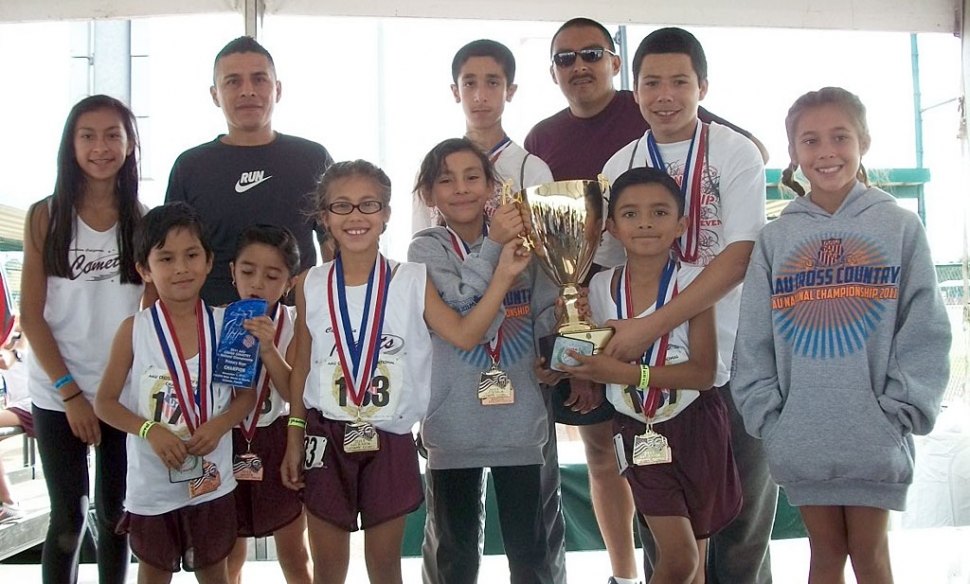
point(827, 433)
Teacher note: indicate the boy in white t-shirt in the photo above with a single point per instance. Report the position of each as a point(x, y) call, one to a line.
point(721, 174)
point(483, 75)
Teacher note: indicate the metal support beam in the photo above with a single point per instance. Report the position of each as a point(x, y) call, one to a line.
point(253, 12)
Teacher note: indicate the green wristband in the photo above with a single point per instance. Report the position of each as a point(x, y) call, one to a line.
point(143, 432)
point(644, 377)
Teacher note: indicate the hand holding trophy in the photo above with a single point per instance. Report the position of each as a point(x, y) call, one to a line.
point(566, 222)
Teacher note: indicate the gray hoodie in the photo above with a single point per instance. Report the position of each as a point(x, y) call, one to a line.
point(842, 349)
point(458, 431)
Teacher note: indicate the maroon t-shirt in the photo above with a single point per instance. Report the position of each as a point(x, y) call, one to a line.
point(578, 148)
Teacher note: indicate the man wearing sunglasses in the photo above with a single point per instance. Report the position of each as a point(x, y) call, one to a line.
point(576, 144)
point(251, 174)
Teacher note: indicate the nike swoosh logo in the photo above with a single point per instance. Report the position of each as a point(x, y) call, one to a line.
point(240, 188)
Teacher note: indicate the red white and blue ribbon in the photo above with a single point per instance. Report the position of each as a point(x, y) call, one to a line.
point(496, 152)
point(196, 403)
point(656, 354)
point(358, 357)
point(690, 186)
point(461, 248)
point(249, 423)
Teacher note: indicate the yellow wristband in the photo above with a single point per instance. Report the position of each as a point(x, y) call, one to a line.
point(297, 423)
point(644, 377)
point(143, 432)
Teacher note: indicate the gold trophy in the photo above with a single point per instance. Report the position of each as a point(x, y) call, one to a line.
point(567, 224)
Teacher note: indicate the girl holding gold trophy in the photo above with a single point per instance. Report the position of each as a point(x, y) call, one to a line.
point(486, 409)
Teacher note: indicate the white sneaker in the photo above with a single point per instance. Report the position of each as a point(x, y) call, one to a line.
point(11, 512)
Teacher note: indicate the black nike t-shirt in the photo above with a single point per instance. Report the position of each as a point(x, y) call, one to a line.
point(233, 187)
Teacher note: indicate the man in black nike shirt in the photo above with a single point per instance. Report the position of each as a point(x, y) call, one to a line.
point(252, 174)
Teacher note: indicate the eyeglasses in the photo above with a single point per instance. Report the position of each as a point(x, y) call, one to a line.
point(365, 207)
point(567, 58)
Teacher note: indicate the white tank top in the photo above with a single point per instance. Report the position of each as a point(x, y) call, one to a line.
point(150, 394)
point(273, 406)
point(625, 400)
point(84, 312)
point(402, 382)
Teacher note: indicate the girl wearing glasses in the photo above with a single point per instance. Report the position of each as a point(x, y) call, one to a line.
point(361, 375)
point(475, 420)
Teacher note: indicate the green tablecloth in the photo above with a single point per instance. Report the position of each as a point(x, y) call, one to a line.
point(581, 530)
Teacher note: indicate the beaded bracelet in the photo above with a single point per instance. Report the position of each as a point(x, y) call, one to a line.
point(143, 432)
point(297, 423)
point(644, 377)
point(63, 381)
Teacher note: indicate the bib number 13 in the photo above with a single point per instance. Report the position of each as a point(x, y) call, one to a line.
point(314, 448)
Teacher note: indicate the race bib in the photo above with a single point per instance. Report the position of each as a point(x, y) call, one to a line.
point(381, 399)
point(314, 447)
point(157, 401)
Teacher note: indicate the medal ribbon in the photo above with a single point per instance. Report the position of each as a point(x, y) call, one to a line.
point(358, 358)
point(496, 152)
point(196, 406)
point(656, 354)
point(461, 248)
point(690, 186)
point(248, 425)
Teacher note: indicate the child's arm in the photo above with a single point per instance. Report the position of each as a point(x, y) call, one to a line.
point(206, 437)
point(277, 368)
point(107, 403)
point(696, 373)
point(461, 288)
point(292, 467)
point(754, 373)
point(33, 299)
point(919, 362)
point(467, 332)
point(633, 336)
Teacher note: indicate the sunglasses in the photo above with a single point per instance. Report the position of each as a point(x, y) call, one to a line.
point(365, 207)
point(567, 58)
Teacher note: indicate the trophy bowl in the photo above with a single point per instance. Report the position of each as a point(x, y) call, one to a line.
point(567, 224)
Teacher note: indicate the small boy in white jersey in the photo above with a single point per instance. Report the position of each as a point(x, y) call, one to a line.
point(180, 509)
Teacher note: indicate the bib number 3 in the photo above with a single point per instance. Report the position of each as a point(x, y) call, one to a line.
point(314, 448)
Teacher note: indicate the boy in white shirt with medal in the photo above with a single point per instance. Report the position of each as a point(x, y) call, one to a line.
point(672, 434)
point(180, 509)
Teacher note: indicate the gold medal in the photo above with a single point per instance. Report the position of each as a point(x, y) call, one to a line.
point(361, 437)
point(495, 387)
point(208, 482)
point(650, 448)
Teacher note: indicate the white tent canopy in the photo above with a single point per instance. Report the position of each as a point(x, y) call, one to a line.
point(885, 15)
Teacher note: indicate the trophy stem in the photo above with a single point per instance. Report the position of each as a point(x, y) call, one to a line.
point(571, 320)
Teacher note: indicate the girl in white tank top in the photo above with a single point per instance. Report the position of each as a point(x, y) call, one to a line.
point(266, 262)
point(79, 283)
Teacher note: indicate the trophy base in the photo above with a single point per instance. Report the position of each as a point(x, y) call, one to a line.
point(586, 342)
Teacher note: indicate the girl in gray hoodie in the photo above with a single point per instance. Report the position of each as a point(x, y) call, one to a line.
point(843, 341)
point(486, 409)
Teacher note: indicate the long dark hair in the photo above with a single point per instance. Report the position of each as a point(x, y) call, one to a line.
point(70, 186)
